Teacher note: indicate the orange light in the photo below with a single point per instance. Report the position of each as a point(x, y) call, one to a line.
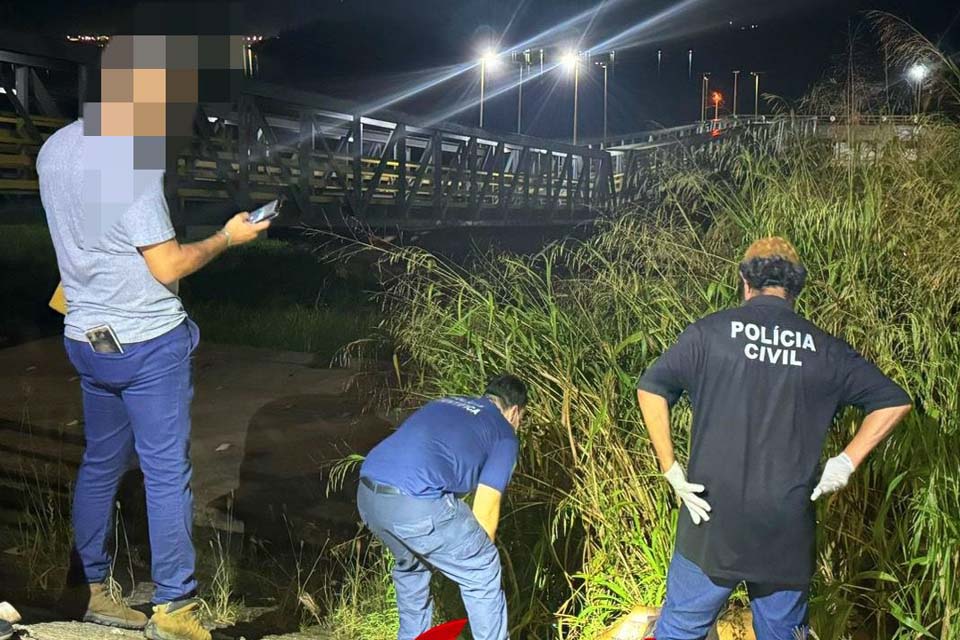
point(716, 97)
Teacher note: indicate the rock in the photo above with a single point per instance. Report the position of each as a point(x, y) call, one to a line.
point(75, 631)
point(8, 613)
point(636, 625)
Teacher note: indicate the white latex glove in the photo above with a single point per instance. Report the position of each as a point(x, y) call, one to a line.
point(687, 492)
point(836, 474)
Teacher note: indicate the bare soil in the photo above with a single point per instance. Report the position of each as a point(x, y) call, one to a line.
point(264, 425)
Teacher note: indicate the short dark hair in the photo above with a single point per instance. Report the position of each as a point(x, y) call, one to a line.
point(774, 271)
point(509, 389)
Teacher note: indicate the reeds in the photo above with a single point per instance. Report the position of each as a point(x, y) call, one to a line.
point(590, 523)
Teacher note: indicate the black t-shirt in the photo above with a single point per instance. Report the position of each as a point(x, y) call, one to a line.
point(765, 385)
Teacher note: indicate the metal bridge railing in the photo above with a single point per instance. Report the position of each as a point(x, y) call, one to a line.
point(387, 169)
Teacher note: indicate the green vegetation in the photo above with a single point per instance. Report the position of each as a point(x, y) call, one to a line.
point(44, 533)
point(29, 266)
point(270, 294)
point(364, 605)
point(590, 522)
point(278, 295)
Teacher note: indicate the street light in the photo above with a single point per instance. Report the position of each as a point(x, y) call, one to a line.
point(717, 99)
point(522, 59)
point(571, 62)
point(606, 63)
point(736, 77)
point(917, 73)
point(488, 59)
point(756, 93)
point(704, 88)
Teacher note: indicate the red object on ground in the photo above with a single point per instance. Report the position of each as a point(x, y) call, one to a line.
point(446, 631)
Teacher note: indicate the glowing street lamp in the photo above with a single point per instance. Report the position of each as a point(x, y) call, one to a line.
point(488, 59)
point(917, 73)
point(717, 99)
point(571, 62)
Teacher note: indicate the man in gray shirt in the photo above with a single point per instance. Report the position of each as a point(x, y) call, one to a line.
point(126, 332)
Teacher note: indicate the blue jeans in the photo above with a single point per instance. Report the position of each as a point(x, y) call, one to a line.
point(441, 534)
point(694, 601)
point(138, 401)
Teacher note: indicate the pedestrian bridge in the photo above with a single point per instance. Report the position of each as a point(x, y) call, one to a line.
point(335, 164)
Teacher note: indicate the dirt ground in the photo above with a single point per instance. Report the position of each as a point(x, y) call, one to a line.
point(264, 424)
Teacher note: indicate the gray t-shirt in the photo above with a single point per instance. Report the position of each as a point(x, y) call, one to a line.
point(99, 209)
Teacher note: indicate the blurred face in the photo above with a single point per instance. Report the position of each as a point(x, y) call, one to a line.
point(151, 85)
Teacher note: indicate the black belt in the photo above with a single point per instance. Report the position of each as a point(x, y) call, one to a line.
point(376, 487)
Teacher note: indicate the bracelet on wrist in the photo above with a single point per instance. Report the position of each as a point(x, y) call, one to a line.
point(226, 234)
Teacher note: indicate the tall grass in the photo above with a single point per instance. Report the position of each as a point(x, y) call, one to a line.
point(45, 533)
point(590, 523)
point(364, 604)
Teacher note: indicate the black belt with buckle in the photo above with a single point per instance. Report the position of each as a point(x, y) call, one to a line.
point(376, 487)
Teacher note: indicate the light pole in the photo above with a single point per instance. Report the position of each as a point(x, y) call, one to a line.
point(571, 60)
point(489, 58)
point(756, 93)
point(736, 77)
point(704, 88)
point(917, 74)
point(690, 64)
point(659, 61)
point(717, 98)
point(606, 63)
point(521, 58)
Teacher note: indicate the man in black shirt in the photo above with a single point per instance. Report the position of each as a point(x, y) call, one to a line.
point(765, 385)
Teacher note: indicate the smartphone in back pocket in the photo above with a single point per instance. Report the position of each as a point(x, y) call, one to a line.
point(102, 339)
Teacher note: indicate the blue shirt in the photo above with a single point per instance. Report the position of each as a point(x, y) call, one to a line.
point(448, 446)
point(100, 208)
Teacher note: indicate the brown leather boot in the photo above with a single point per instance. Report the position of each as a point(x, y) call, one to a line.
point(104, 609)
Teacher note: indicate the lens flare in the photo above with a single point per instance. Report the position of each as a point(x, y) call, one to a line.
point(918, 72)
point(569, 60)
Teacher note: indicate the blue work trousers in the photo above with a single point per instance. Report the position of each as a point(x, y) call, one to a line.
point(138, 401)
point(442, 534)
point(694, 601)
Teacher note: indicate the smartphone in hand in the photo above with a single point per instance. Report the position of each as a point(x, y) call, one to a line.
point(266, 212)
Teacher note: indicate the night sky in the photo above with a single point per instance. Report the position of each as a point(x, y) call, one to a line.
point(368, 50)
